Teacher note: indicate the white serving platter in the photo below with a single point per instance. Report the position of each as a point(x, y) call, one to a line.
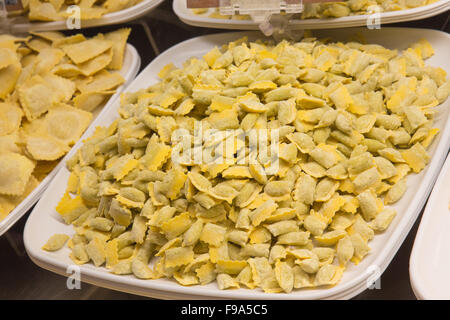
point(429, 264)
point(21, 24)
point(44, 221)
point(203, 20)
point(131, 65)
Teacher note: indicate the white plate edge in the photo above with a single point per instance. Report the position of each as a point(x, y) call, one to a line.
point(438, 7)
point(419, 287)
point(117, 17)
point(406, 225)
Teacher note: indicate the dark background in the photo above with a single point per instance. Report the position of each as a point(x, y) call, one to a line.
point(20, 278)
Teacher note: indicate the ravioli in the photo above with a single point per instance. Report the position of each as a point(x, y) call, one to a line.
point(36, 97)
point(86, 50)
point(54, 10)
point(10, 118)
point(46, 100)
point(179, 186)
point(15, 171)
point(8, 77)
point(332, 9)
point(66, 123)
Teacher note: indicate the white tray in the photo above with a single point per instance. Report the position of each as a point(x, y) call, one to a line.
point(186, 15)
point(44, 221)
point(429, 264)
point(22, 24)
point(131, 65)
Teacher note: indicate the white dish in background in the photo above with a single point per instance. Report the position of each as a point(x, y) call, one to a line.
point(21, 24)
point(44, 221)
point(186, 15)
point(429, 264)
point(131, 65)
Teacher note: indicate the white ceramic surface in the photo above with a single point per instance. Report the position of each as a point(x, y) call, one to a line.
point(186, 15)
point(45, 221)
point(429, 264)
point(131, 65)
point(22, 24)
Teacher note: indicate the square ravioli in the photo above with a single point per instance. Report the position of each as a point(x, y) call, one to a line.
point(15, 171)
point(47, 100)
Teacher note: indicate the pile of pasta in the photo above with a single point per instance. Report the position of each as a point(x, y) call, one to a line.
point(49, 86)
point(358, 7)
point(41, 10)
point(335, 9)
point(353, 120)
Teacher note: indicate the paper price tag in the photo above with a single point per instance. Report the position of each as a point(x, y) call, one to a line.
point(195, 4)
point(11, 5)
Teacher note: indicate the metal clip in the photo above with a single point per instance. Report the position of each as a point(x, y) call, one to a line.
point(4, 25)
point(272, 16)
point(8, 14)
point(282, 29)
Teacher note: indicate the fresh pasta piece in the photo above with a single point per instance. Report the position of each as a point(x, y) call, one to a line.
point(15, 171)
point(369, 204)
point(11, 117)
point(55, 242)
point(325, 155)
point(96, 251)
point(383, 219)
point(37, 96)
point(325, 189)
point(396, 192)
point(9, 77)
point(416, 157)
point(178, 256)
point(119, 39)
point(41, 87)
point(366, 179)
point(304, 189)
point(285, 276)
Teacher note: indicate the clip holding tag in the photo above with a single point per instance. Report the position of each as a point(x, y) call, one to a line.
point(272, 16)
point(282, 29)
point(3, 11)
point(4, 25)
point(9, 9)
point(230, 7)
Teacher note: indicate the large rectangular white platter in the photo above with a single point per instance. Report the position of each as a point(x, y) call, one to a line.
point(429, 264)
point(131, 65)
point(203, 20)
point(45, 221)
point(22, 24)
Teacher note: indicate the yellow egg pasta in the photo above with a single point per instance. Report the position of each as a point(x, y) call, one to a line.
point(337, 10)
point(293, 217)
point(37, 10)
point(50, 84)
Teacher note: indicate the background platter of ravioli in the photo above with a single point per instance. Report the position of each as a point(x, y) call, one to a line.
point(52, 15)
point(384, 246)
point(53, 86)
point(321, 15)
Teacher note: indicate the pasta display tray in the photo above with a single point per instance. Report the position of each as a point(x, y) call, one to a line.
point(429, 261)
point(203, 20)
point(45, 221)
point(22, 24)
